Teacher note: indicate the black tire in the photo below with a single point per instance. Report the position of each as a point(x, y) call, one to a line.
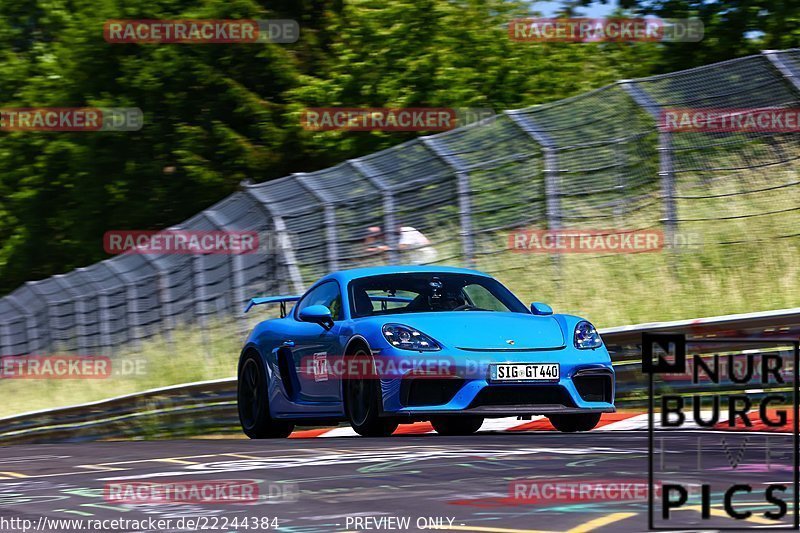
point(573, 423)
point(253, 402)
point(457, 425)
point(362, 404)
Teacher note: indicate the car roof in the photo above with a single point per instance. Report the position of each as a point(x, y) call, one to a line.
point(345, 276)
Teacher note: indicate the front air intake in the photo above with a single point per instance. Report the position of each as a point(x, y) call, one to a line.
point(421, 391)
point(594, 387)
point(523, 395)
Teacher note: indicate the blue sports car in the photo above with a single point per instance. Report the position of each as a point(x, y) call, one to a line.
point(384, 346)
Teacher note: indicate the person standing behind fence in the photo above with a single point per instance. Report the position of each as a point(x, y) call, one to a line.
point(414, 246)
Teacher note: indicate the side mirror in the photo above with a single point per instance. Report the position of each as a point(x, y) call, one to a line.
point(317, 314)
point(538, 308)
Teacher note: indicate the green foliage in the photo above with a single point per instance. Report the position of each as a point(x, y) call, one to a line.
point(219, 114)
point(733, 28)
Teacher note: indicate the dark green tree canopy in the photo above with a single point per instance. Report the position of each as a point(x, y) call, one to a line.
point(219, 114)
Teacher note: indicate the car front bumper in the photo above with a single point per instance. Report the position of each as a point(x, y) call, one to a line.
point(586, 385)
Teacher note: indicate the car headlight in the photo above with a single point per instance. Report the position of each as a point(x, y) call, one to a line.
point(586, 336)
point(408, 338)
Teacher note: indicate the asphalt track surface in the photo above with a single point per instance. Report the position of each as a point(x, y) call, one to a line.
point(461, 481)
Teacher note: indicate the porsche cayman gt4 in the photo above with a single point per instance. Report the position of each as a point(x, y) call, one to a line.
point(382, 346)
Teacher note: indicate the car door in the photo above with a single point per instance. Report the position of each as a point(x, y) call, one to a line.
point(314, 349)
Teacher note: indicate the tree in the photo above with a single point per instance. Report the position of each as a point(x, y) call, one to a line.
point(733, 28)
point(218, 114)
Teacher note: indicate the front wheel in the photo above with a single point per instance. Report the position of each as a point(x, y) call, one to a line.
point(573, 423)
point(363, 405)
point(253, 403)
point(457, 425)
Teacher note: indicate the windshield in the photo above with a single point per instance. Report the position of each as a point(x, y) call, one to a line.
point(429, 291)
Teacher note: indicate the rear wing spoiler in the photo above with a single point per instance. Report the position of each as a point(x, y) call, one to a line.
point(293, 298)
point(272, 300)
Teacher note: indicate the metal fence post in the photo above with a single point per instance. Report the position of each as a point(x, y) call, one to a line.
point(77, 301)
point(328, 204)
point(285, 250)
point(667, 173)
point(267, 247)
point(44, 342)
point(5, 337)
point(164, 298)
point(213, 220)
point(165, 295)
point(286, 253)
point(132, 304)
point(463, 192)
point(86, 292)
point(237, 278)
point(200, 303)
point(666, 169)
point(199, 283)
point(552, 191)
point(787, 70)
point(389, 209)
point(80, 309)
point(237, 267)
point(31, 331)
point(267, 241)
point(103, 314)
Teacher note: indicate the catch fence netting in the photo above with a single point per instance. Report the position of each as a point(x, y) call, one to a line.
point(597, 161)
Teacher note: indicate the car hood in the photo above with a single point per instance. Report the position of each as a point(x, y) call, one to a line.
point(483, 330)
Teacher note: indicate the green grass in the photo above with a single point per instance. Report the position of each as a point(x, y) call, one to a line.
point(647, 287)
point(191, 354)
point(756, 211)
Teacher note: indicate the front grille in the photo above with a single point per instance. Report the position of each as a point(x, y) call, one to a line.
point(594, 387)
point(534, 395)
point(415, 392)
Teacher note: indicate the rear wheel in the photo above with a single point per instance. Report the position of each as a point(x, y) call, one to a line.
point(457, 425)
point(363, 405)
point(253, 403)
point(573, 423)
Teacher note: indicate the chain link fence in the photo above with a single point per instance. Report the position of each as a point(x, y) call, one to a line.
point(597, 160)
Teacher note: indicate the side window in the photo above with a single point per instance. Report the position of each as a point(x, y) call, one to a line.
point(327, 294)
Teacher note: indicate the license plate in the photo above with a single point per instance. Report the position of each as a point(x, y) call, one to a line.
point(524, 372)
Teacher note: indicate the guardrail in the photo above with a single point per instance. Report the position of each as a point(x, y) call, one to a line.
point(624, 344)
point(778, 323)
point(210, 406)
point(189, 408)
